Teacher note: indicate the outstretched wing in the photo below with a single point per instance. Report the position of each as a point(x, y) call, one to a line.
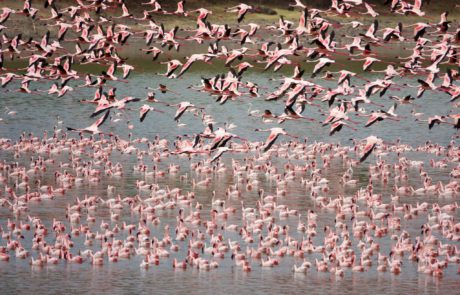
point(367, 151)
point(102, 119)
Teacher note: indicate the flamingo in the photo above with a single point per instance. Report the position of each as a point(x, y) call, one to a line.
point(337, 126)
point(378, 116)
point(274, 134)
point(323, 62)
point(433, 120)
point(118, 104)
point(126, 13)
point(172, 66)
point(143, 111)
point(180, 11)
point(414, 9)
point(93, 128)
point(299, 4)
point(182, 107)
point(169, 39)
point(370, 10)
point(154, 51)
point(242, 9)
point(193, 58)
point(370, 33)
point(371, 142)
point(220, 151)
point(6, 12)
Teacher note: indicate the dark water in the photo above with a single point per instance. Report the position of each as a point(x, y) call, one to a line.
point(40, 112)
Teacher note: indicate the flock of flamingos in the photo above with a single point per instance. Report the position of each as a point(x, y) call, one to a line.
point(94, 31)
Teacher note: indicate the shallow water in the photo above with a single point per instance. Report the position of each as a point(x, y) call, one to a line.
point(40, 112)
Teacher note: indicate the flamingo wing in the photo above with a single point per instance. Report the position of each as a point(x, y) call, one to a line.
point(112, 69)
point(336, 127)
point(219, 153)
point(270, 141)
point(367, 151)
point(101, 120)
point(143, 112)
point(185, 67)
point(374, 118)
point(180, 111)
point(241, 14)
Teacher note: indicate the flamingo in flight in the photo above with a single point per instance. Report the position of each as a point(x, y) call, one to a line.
point(378, 116)
point(118, 104)
point(182, 107)
point(93, 128)
point(143, 111)
point(299, 4)
point(242, 9)
point(337, 126)
point(275, 132)
point(323, 62)
point(371, 142)
point(194, 58)
point(434, 120)
point(173, 65)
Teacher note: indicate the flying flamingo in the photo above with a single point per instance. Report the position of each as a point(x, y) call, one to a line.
point(118, 104)
point(182, 107)
point(242, 9)
point(298, 4)
point(370, 10)
point(173, 65)
point(6, 14)
point(180, 11)
point(220, 151)
point(144, 110)
point(371, 143)
point(275, 132)
point(370, 33)
point(337, 126)
point(433, 120)
point(126, 13)
point(93, 128)
point(193, 58)
point(323, 62)
point(378, 116)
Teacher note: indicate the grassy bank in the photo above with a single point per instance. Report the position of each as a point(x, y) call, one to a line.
point(19, 23)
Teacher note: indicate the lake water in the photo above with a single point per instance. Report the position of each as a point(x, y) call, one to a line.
point(36, 113)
